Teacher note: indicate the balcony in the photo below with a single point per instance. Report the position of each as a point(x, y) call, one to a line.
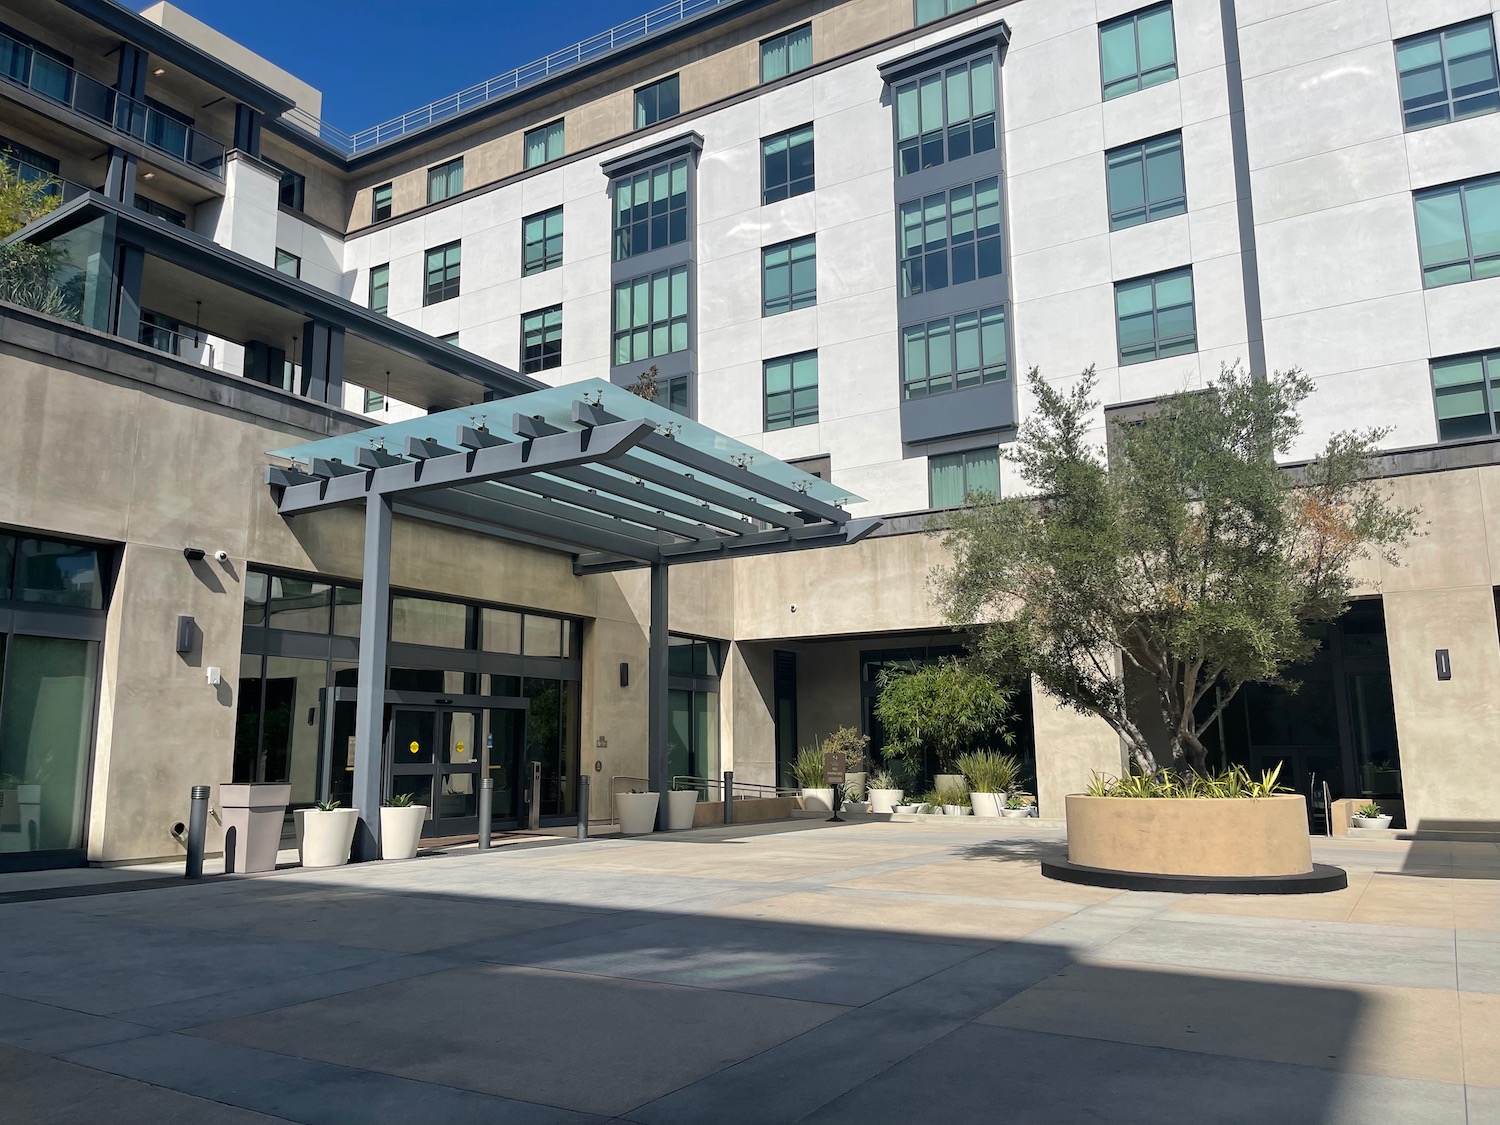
point(52, 184)
point(60, 84)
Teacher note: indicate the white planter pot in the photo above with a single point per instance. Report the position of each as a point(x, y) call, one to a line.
point(1016, 813)
point(817, 800)
point(327, 836)
point(1372, 821)
point(401, 831)
point(885, 800)
point(908, 808)
point(941, 781)
point(681, 804)
point(857, 806)
point(637, 813)
point(955, 810)
point(987, 804)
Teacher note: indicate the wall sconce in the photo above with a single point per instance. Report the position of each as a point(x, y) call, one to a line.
point(187, 633)
point(624, 674)
point(1444, 665)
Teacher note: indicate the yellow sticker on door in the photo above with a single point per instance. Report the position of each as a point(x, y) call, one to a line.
point(460, 748)
point(415, 749)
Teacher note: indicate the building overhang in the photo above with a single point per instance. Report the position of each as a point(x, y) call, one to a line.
point(994, 35)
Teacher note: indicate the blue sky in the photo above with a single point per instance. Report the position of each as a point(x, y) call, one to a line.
point(376, 59)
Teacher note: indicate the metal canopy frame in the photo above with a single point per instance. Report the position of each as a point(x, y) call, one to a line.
point(589, 470)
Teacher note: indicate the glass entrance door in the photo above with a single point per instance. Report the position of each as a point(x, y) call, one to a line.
point(507, 745)
point(434, 756)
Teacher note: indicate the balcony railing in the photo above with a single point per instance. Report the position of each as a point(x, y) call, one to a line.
point(653, 22)
point(52, 183)
point(191, 346)
point(57, 82)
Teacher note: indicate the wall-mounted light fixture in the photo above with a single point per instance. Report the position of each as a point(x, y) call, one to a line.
point(187, 630)
point(624, 674)
point(193, 554)
point(1444, 665)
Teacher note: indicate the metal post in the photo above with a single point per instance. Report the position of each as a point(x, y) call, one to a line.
point(197, 830)
point(534, 797)
point(728, 796)
point(656, 694)
point(374, 634)
point(486, 803)
point(583, 807)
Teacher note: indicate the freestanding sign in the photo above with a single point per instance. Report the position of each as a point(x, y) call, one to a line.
point(834, 767)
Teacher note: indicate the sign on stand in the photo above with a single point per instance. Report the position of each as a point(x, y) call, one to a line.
point(834, 766)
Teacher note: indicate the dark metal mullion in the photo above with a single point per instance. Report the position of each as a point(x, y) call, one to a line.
point(672, 503)
point(711, 492)
point(556, 527)
point(609, 506)
point(775, 493)
point(520, 499)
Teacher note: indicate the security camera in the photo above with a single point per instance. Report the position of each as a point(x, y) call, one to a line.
point(794, 607)
point(221, 556)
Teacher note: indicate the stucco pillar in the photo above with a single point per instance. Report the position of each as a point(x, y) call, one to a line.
point(1070, 749)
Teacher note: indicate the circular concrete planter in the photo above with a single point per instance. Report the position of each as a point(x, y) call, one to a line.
point(885, 800)
point(401, 830)
point(1200, 836)
point(637, 813)
point(817, 800)
point(987, 804)
point(681, 804)
point(327, 836)
point(1383, 821)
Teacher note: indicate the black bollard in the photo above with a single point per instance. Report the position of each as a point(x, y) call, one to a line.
point(197, 834)
point(583, 807)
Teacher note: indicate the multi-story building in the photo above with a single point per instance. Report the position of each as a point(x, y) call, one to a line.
point(836, 231)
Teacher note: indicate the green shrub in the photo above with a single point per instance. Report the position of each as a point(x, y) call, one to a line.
point(1371, 809)
point(883, 779)
point(1234, 782)
point(988, 772)
point(808, 768)
point(952, 795)
point(329, 806)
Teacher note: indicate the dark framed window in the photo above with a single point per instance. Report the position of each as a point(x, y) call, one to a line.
point(651, 210)
point(1137, 51)
point(160, 211)
point(159, 331)
point(673, 394)
point(953, 477)
point(450, 338)
point(1145, 181)
point(287, 263)
point(544, 143)
point(292, 191)
point(954, 353)
point(950, 237)
point(945, 115)
point(929, 10)
point(657, 102)
point(443, 264)
point(381, 200)
point(789, 276)
point(1466, 395)
point(380, 288)
point(1458, 231)
point(1449, 74)
point(374, 401)
point(541, 339)
point(791, 386)
point(651, 316)
point(542, 241)
point(820, 466)
point(786, 53)
point(786, 164)
point(1154, 316)
point(445, 180)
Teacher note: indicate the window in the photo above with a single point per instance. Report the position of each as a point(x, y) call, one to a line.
point(950, 237)
point(929, 10)
point(653, 103)
point(954, 353)
point(1137, 51)
point(1154, 316)
point(786, 53)
point(1145, 182)
point(450, 338)
point(541, 339)
point(542, 241)
point(651, 316)
point(159, 331)
point(786, 164)
point(442, 273)
point(293, 187)
point(1466, 391)
point(789, 276)
point(289, 264)
point(1448, 75)
point(820, 466)
point(445, 181)
point(380, 203)
point(1458, 231)
point(946, 115)
point(953, 477)
point(791, 391)
point(651, 210)
point(673, 394)
point(380, 288)
point(160, 211)
point(544, 143)
point(374, 401)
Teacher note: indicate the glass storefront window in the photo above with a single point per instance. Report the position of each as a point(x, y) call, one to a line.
point(247, 718)
point(346, 609)
point(257, 586)
point(49, 572)
point(293, 724)
point(543, 636)
point(7, 563)
point(422, 621)
point(500, 631)
point(299, 605)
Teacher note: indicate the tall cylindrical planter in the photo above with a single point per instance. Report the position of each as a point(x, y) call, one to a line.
point(681, 804)
point(637, 813)
point(986, 804)
point(401, 830)
point(817, 800)
point(885, 800)
point(328, 836)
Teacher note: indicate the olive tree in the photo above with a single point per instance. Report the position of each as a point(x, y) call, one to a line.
point(1186, 554)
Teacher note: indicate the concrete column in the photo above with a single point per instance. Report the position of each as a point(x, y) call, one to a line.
point(656, 689)
point(1070, 749)
point(247, 129)
point(374, 635)
point(322, 363)
point(119, 176)
point(130, 263)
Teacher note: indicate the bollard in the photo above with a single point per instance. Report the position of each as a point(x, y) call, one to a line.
point(486, 803)
point(728, 796)
point(583, 807)
point(534, 811)
point(197, 831)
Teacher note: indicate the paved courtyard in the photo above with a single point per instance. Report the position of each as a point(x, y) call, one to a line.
point(862, 973)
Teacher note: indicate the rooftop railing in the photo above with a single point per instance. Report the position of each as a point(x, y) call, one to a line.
point(631, 31)
point(60, 83)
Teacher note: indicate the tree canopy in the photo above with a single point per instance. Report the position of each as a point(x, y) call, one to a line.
point(947, 707)
point(1188, 554)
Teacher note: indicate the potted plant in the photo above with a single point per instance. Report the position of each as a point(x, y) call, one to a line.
point(637, 811)
point(939, 711)
point(991, 778)
point(852, 745)
point(954, 801)
point(682, 803)
point(854, 795)
point(401, 820)
point(817, 794)
point(1370, 816)
point(1016, 806)
point(884, 793)
point(328, 834)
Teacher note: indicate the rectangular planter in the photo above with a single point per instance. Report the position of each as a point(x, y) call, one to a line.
point(253, 814)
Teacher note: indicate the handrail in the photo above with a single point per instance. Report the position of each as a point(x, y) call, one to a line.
point(620, 777)
point(586, 50)
point(50, 182)
point(758, 789)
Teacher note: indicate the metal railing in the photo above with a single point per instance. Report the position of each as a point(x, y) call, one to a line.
point(584, 51)
point(743, 790)
point(191, 346)
point(51, 183)
point(60, 83)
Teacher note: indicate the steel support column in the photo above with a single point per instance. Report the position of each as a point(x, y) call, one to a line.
point(656, 694)
point(374, 635)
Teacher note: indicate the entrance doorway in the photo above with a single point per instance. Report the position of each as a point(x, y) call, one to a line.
point(438, 754)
